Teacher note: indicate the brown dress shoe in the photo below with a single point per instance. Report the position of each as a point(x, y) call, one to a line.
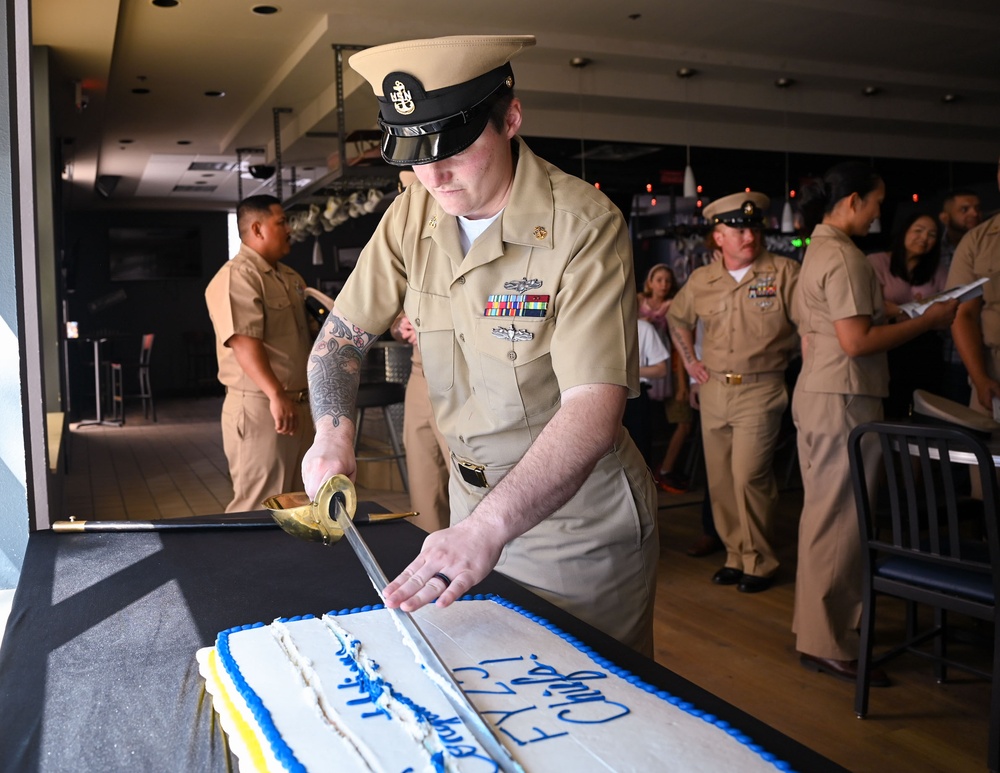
point(705, 545)
point(846, 670)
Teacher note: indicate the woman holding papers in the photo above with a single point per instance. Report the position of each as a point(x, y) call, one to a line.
point(912, 271)
point(838, 303)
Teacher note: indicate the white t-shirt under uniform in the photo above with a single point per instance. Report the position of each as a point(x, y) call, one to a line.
point(651, 348)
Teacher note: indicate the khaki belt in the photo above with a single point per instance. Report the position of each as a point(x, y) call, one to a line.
point(736, 379)
point(296, 395)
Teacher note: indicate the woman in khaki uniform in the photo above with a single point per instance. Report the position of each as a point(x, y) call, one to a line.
point(518, 279)
point(838, 305)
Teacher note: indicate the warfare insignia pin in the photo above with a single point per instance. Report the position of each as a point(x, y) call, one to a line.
point(522, 285)
point(401, 98)
point(512, 334)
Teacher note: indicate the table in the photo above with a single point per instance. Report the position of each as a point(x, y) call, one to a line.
point(97, 668)
point(99, 416)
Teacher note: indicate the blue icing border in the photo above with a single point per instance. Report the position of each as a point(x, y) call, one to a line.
point(281, 750)
point(286, 757)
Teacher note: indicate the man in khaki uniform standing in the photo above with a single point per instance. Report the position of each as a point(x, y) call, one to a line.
point(518, 280)
point(744, 304)
point(257, 307)
point(428, 460)
point(976, 328)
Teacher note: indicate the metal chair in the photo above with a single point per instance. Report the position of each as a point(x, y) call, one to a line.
point(383, 385)
point(917, 551)
point(117, 394)
point(145, 387)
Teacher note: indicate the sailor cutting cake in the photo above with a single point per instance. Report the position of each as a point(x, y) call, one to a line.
point(518, 280)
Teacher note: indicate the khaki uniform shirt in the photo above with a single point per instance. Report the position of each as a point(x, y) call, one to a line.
point(837, 282)
point(978, 255)
point(248, 296)
point(748, 324)
point(560, 253)
point(496, 380)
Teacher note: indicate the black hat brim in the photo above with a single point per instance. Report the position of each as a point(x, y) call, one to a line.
point(417, 149)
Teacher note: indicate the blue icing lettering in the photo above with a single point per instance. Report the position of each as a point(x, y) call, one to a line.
point(483, 674)
point(507, 714)
point(541, 736)
point(572, 689)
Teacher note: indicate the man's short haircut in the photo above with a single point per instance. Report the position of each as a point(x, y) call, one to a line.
point(954, 194)
point(498, 110)
point(253, 207)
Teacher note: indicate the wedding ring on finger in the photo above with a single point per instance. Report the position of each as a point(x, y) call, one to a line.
point(443, 578)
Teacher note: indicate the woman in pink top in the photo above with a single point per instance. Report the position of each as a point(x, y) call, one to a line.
point(912, 271)
point(658, 292)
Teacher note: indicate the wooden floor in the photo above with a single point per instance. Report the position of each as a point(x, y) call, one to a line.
point(735, 645)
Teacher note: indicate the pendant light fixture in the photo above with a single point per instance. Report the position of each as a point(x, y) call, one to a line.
point(872, 91)
point(578, 63)
point(690, 186)
point(787, 215)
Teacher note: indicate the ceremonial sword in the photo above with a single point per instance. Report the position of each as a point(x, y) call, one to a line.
point(478, 726)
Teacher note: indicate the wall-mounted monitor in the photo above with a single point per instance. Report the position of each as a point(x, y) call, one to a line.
point(154, 252)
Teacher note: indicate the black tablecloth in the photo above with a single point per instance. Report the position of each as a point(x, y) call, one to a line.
point(97, 667)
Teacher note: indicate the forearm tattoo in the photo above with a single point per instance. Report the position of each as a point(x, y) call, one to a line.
point(686, 354)
point(335, 369)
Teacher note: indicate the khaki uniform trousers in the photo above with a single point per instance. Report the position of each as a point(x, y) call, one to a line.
point(262, 463)
point(595, 556)
point(739, 428)
point(828, 583)
point(427, 458)
point(991, 358)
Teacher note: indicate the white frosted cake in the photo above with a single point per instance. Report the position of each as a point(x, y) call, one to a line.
point(344, 693)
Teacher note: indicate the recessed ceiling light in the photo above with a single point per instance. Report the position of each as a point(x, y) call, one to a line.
point(949, 98)
point(166, 3)
point(215, 93)
point(871, 91)
point(635, 16)
point(784, 83)
point(140, 91)
point(183, 142)
point(265, 10)
point(126, 142)
point(686, 72)
point(579, 61)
